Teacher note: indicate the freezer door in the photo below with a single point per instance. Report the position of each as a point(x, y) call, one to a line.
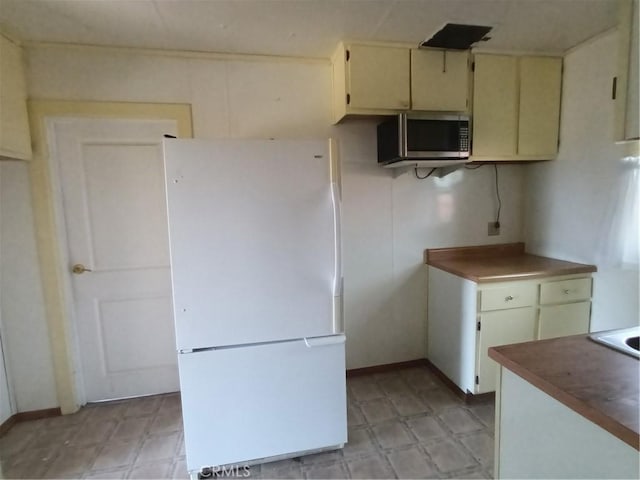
point(254, 240)
point(240, 404)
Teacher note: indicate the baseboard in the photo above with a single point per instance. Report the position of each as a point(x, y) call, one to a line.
point(7, 424)
point(387, 367)
point(26, 416)
point(467, 397)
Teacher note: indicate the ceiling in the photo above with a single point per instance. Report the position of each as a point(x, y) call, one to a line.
point(307, 28)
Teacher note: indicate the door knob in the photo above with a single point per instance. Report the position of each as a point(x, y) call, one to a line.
point(78, 268)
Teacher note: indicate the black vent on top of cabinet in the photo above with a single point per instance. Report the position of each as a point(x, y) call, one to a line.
point(457, 37)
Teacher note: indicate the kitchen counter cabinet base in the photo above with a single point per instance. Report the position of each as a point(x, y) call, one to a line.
point(502, 326)
point(465, 318)
point(563, 320)
point(538, 437)
point(451, 338)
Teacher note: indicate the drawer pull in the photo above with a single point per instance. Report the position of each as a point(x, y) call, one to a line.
point(566, 291)
point(508, 299)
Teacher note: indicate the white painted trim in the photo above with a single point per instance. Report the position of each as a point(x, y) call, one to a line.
point(597, 37)
point(10, 37)
point(524, 53)
point(13, 408)
point(62, 245)
point(47, 226)
point(246, 57)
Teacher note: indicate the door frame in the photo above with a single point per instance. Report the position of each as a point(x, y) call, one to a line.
point(7, 373)
point(50, 228)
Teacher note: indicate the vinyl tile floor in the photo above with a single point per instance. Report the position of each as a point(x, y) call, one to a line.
point(402, 424)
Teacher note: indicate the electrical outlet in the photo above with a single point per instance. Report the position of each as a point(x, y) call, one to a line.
point(492, 229)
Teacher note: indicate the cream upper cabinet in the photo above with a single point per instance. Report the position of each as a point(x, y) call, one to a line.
point(495, 106)
point(370, 79)
point(439, 80)
point(516, 107)
point(627, 87)
point(15, 140)
point(539, 112)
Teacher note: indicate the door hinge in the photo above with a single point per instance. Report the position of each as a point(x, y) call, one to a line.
point(473, 66)
point(614, 88)
point(477, 380)
point(347, 55)
point(348, 99)
point(478, 327)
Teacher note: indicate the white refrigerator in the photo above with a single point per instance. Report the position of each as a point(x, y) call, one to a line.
point(254, 230)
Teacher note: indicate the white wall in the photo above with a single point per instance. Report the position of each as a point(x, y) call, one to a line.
point(568, 201)
point(388, 222)
point(26, 338)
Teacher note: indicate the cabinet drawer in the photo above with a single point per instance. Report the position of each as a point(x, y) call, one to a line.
point(563, 320)
point(508, 296)
point(565, 291)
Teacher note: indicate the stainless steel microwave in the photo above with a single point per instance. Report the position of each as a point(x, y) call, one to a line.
point(424, 140)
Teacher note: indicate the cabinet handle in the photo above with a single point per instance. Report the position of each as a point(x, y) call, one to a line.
point(508, 299)
point(79, 269)
point(566, 291)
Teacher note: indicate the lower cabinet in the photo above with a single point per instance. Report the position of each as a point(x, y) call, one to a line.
point(539, 437)
point(501, 327)
point(466, 318)
point(563, 320)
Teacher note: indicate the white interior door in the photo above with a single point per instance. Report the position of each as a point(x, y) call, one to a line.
point(111, 180)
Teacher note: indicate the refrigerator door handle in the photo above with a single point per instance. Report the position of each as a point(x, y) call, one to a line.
point(337, 220)
point(324, 341)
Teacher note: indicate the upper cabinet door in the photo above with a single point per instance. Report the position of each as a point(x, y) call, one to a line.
point(516, 107)
point(540, 85)
point(439, 80)
point(15, 140)
point(495, 106)
point(627, 87)
point(378, 77)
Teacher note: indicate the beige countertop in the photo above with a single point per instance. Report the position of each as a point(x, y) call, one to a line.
point(601, 384)
point(496, 263)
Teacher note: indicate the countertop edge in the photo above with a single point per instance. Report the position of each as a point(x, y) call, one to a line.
point(515, 276)
point(612, 426)
point(475, 251)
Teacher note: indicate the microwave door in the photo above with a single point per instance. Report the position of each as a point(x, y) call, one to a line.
point(432, 138)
